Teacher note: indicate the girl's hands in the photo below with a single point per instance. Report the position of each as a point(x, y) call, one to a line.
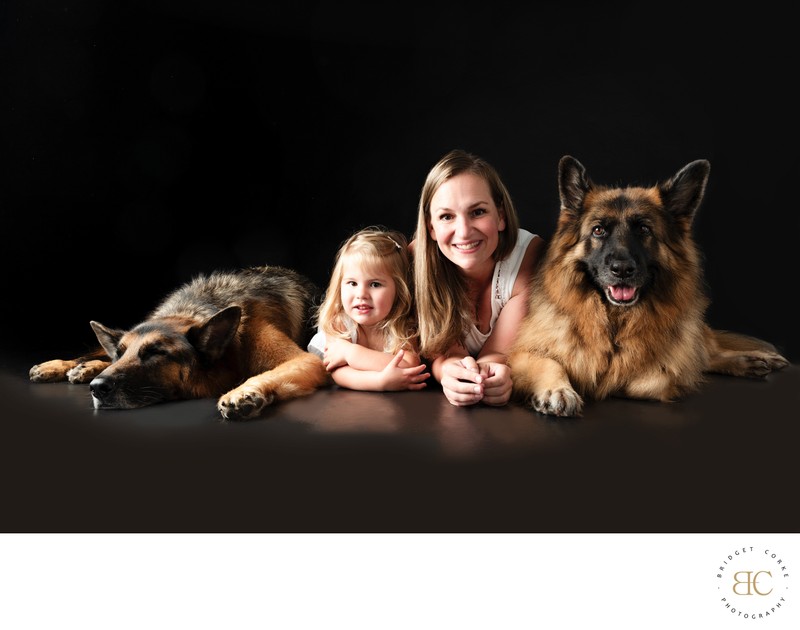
point(336, 352)
point(395, 378)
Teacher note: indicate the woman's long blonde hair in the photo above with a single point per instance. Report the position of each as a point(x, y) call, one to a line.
point(444, 309)
point(388, 249)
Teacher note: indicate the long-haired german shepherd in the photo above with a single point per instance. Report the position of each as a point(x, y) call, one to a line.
point(617, 307)
point(233, 335)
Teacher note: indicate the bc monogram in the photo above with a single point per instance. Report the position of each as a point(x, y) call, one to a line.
point(751, 580)
point(752, 584)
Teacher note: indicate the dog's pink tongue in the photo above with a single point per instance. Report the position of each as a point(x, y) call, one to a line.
point(621, 293)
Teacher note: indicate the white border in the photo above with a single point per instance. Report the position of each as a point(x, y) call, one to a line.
point(374, 581)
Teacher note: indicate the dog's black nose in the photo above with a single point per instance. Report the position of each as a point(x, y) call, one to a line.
point(623, 268)
point(101, 386)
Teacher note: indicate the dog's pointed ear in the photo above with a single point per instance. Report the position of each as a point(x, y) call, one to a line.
point(212, 337)
point(572, 183)
point(683, 193)
point(108, 338)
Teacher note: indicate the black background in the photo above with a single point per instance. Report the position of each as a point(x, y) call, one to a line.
point(147, 142)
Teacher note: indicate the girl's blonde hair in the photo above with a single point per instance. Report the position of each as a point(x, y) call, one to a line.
point(380, 247)
point(444, 309)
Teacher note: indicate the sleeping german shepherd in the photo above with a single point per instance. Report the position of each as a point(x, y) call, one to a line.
point(617, 306)
point(232, 335)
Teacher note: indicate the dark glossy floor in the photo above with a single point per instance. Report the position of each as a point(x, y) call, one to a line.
point(723, 460)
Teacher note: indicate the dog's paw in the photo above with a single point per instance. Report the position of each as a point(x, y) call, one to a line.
point(85, 372)
point(776, 361)
point(759, 364)
point(563, 402)
point(50, 371)
point(243, 403)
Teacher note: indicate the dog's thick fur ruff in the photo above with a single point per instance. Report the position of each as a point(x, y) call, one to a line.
point(617, 307)
point(232, 335)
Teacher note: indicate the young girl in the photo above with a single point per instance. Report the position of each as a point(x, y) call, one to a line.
point(366, 327)
point(472, 266)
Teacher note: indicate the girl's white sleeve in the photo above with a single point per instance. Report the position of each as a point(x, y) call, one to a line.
point(317, 344)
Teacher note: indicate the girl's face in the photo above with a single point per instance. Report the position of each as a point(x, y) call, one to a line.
point(367, 292)
point(465, 222)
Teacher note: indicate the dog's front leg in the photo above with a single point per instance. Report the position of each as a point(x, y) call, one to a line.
point(299, 376)
point(543, 385)
point(80, 370)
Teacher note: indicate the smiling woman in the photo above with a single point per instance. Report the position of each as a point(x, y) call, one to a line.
point(472, 268)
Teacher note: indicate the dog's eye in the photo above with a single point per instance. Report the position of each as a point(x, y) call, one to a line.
point(151, 352)
point(598, 230)
point(644, 229)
